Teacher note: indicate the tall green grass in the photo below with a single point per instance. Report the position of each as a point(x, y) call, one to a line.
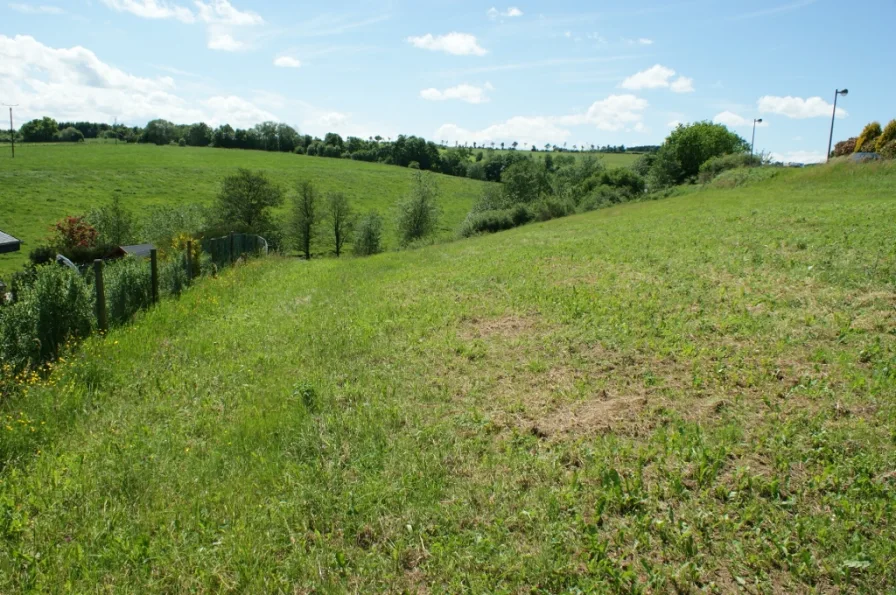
point(681, 395)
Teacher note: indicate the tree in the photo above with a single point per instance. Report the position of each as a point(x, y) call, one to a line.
point(199, 135)
point(159, 132)
point(245, 201)
point(70, 135)
point(418, 214)
point(115, 224)
point(339, 218)
point(303, 221)
point(39, 131)
point(524, 181)
point(368, 240)
point(688, 147)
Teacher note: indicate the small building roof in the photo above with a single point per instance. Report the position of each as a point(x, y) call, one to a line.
point(138, 250)
point(9, 243)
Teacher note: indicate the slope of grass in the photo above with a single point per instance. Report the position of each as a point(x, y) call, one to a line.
point(695, 393)
point(47, 182)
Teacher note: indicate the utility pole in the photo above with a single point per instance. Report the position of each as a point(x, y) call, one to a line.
point(12, 132)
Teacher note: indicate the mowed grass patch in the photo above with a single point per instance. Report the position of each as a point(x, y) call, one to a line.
point(46, 182)
point(694, 393)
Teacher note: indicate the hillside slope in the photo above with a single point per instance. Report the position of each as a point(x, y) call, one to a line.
point(691, 393)
point(47, 182)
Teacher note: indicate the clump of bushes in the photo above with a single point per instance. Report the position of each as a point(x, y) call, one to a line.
point(128, 288)
point(369, 235)
point(418, 214)
point(56, 307)
point(845, 147)
point(866, 141)
point(887, 138)
point(716, 165)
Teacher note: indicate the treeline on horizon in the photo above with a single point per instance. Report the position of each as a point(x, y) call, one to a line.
point(479, 161)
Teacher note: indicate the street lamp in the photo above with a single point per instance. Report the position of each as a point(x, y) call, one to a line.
point(837, 92)
point(753, 142)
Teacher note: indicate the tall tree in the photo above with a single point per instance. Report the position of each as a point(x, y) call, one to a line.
point(246, 199)
point(340, 219)
point(303, 221)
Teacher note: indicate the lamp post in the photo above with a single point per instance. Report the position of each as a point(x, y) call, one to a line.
point(837, 92)
point(753, 142)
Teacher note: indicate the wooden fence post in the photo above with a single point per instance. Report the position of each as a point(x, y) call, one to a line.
point(190, 261)
point(102, 321)
point(154, 274)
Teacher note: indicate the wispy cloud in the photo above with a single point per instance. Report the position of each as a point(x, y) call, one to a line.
point(457, 44)
point(287, 62)
point(35, 9)
point(659, 77)
point(466, 93)
point(511, 13)
point(332, 24)
point(773, 10)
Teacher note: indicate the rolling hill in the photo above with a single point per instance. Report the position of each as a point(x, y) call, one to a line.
point(688, 394)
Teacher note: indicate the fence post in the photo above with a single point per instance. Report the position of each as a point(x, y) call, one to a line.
point(231, 248)
point(190, 261)
point(101, 321)
point(154, 274)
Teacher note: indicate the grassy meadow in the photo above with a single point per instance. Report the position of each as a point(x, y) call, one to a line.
point(46, 182)
point(692, 394)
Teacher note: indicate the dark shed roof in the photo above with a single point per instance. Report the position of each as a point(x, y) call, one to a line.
point(8, 243)
point(138, 251)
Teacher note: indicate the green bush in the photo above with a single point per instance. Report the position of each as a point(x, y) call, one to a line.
point(56, 307)
point(369, 235)
point(604, 196)
point(887, 136)
point(487, 222)
point(418, 214)
point(551, 208)
point(716, 165)
point(888, 151)
point(743, 176)
point(870, 133)
point(128, 284)
point(70, 135)
point(173, 277)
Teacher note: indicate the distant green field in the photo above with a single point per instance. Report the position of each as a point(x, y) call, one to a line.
point(46, 182)
point(691, 395)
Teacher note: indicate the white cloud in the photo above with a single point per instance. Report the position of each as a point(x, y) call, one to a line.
point(616, 112)
point(458, 44)
point(222, 12)
point(799, 157)
point(798, 108)
point(732, 120)
point(645, 41)
point(464, 92)
point(658, 77)
point(152, 9)
point(512, 12)
point(219, 40)
point(35, 9)
point(682, 84)
point(287, 62)
point(536, 131)
point(74, 84)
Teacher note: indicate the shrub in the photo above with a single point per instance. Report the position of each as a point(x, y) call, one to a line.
point(173, 276)
point(743, 176)
point(604, 196)
point(688, 147)
point(70, 135)
point(491, 199)
point(413, 165)
point(476, 171)
point(164, 223)
point(182, 142)
point(418, 214)
point(888, 151)
point(845, 147)
point(716, 165)
point(887, 136)
point(42, 255)
point(551, 208)
point(58, 306)
point(368, 238)
point(299, 150)
point(179, 246)
point(623, 178)
point(487, 222)
point(115, 224)
point(128, 286)
point(75, 232)
point(865, 142)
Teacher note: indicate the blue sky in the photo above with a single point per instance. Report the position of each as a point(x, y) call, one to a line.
point(573, 72)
